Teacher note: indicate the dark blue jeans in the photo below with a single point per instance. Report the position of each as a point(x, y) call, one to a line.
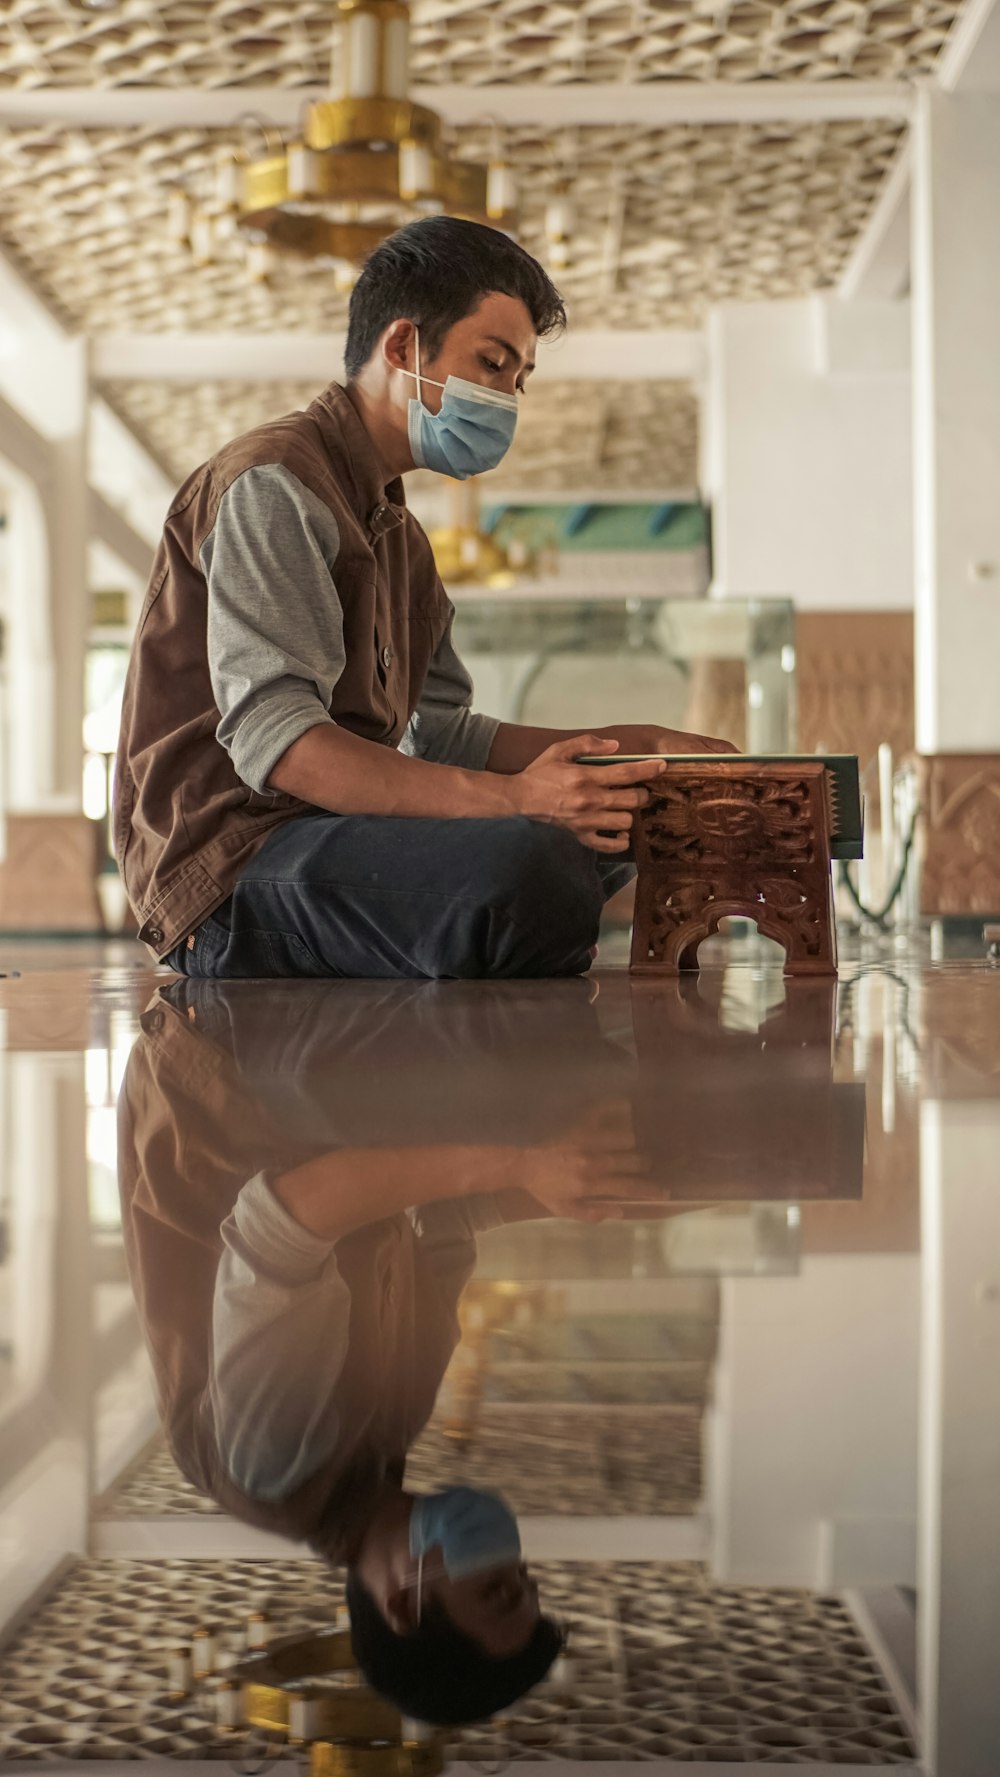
point(370, 895)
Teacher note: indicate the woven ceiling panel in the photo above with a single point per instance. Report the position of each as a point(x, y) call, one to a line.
point(668, 221)
point(612, 435)
point(286, 42)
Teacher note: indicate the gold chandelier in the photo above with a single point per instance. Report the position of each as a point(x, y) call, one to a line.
point(368, 160)
point(465, 554)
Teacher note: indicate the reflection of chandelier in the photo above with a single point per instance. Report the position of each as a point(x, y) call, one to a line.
point(368, 161)
point(305, 1691)
point(465, 554)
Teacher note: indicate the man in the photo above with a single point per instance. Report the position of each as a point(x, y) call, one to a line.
point(302, 787)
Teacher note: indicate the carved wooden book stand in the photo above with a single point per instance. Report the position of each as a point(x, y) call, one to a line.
point(735, 838)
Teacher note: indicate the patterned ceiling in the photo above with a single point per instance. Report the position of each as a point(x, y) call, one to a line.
point(286, 42)
point(669, 219)
point(618, 436)
point(707, 213)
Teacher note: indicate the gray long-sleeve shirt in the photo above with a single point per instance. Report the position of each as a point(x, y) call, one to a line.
point(276, 634)
point(281, 1325)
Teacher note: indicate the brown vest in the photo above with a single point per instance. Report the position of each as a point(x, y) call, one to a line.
point(184, 823)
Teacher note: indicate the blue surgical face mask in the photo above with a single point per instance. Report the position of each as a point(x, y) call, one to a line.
point(472, 431)
point(474, 1530)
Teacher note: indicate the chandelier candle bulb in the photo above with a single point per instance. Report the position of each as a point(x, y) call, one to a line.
point(301, 163)
point(501, 190)
point(179, 217)
point(258, 1629)
point(228, 181)
point(416, 169)
point(396, 55)
point(305, 1718)
point(204, 1648)
point(560, 220)
point(260, 262)
point(202, 238)
point(179, 1673)
point(229, 1706)
point(361, 54)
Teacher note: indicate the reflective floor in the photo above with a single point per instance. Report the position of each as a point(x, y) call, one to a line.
point(700, 1279)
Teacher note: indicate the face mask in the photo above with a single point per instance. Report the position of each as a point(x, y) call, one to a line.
point(473, 1530)
point(471, 433)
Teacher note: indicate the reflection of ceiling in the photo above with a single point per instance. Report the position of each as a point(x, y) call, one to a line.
point(709, 213)
point(287, 42)
point(665, 1665)
point(608, 435)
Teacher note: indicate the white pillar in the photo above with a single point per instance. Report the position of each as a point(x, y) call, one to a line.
point(44, 377)
point(806, 453)
point(956, 389)
point(958, 1579)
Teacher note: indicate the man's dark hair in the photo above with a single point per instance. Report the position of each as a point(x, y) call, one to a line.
point(435, 272)
point(436, 1674)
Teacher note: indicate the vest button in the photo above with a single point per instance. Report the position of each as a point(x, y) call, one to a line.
point(155, 935)
point(387, 658)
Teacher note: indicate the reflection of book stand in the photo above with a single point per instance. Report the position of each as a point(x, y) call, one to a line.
point(738, 836)
point(733, 1115)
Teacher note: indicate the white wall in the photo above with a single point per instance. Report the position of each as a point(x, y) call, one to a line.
point(812, 1451)
point(806, 452)
point(956, 309)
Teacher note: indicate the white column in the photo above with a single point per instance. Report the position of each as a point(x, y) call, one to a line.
point(44, 377)
point(806, 453)
point(958, 1579)
point(956, 389)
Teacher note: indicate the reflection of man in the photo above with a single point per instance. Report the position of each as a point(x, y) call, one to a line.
point(301, 1315)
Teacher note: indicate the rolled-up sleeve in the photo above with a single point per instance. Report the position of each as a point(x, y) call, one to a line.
point(275, 621)
point(444, 727)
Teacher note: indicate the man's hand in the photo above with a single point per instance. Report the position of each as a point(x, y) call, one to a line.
point(593, 1172)
point(674, 740)
point(596, 803)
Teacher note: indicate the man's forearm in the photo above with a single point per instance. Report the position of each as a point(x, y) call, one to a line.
point(337, 1193)
point(336, 770)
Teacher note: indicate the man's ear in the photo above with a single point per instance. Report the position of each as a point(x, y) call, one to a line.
point(400, 1610)
point(399, 346)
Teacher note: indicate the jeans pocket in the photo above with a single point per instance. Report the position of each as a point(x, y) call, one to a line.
point(290, 957)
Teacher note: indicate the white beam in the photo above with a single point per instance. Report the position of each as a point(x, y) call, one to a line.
point(582, 355)
point(970, 60)
point(648, 103)
point(110, 528)
point(879, 267)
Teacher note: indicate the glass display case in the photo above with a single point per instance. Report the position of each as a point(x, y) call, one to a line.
point(711, 667)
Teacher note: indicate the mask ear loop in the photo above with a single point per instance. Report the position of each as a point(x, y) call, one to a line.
point(416, 360)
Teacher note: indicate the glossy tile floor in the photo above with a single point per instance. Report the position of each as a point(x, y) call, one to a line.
point(703, 1278)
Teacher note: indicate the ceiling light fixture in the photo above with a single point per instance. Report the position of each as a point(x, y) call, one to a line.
point(368, 160)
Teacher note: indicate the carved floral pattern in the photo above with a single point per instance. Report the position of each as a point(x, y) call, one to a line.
point(734, 839)
point(960, 800)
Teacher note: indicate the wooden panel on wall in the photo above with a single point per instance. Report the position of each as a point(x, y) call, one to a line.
point(48, 880)
point(854, 687)
point(854, 682)
point(960, 833)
